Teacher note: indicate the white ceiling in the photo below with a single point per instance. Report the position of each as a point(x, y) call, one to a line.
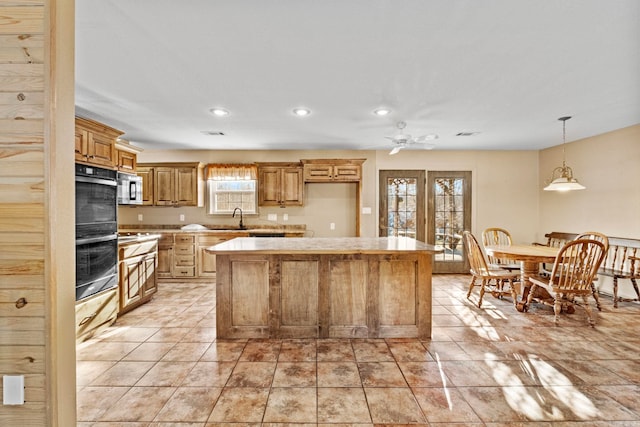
point(507, 69)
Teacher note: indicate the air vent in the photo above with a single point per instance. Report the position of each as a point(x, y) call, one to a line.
point(212, 133)
point(467, 133)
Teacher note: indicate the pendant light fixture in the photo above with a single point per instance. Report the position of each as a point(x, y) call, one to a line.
point(562, 177)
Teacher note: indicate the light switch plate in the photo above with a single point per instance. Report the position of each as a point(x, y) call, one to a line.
point(366, 210)
point(272, 217)
point(13, 389)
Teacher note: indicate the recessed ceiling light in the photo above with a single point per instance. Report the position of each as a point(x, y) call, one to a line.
point(220, 112)
point(301, 112)
point(381, 111)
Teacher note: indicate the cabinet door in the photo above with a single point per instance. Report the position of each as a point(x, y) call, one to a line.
point(163, 186)
point(347, 173)
point(131, 271)
point(81, 141)
point(207, 262)
point(126, 161)
point(147, 185)
point(150, 285)
point(102, 150)
point(269, 186)
point(186, 186)
point(318, 173)
point(165, 261)
point(291, 187)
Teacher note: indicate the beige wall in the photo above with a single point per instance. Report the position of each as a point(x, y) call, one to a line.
point(504, 189)
point(609, 166)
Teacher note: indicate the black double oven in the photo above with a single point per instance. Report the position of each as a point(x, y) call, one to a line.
point(96, 230)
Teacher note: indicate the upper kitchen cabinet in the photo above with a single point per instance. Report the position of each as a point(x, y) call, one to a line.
point(95, 143)
point(175, 184)
point(280, 184)
point(332, 170)
point(147, 184)
point(126, 156)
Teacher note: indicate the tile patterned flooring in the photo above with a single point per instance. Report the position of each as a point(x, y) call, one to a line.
point(161, 366)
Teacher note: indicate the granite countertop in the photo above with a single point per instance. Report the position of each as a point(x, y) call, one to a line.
point(320, 245)
point(214, 229)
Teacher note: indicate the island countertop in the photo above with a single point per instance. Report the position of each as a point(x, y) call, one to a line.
point(322, 245)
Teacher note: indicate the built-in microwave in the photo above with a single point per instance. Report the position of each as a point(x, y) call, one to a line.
point(129, 189)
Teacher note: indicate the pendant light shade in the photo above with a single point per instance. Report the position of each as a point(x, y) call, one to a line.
point(562, 177)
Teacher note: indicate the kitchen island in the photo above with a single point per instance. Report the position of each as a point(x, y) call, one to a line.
point(323, 288)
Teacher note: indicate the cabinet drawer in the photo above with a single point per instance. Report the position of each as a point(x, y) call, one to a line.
point(181, 238)
point(184, 271)
point(166, 239)
point(128, 251)
point(183, 260)
point(183, 250)
point(96, 312)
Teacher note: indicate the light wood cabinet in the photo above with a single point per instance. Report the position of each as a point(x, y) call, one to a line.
point(126, 156)
point(206, 261)
point(333, 170)
point(280, 184)
point(95, 143)
point(147, 185)
point(164, 268)
point(176, 184)
point(96, 313)
point(137, 274)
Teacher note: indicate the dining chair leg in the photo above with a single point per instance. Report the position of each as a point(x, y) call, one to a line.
point(596, 296)
point(587, 308)
point(482, 286)
point(557, 308)
point(471, 285)
point(514, 295)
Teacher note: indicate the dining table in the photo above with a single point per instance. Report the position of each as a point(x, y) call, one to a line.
point(529, 257)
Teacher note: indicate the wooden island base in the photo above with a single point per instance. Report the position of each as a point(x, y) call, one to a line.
point(323, 288)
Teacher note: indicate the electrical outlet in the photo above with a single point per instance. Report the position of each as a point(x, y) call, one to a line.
point(366, 211)
point(13, 389)
point(140, 217)
point(285, 217)
point(182, 217)
point(332, 226)
point(272, 217)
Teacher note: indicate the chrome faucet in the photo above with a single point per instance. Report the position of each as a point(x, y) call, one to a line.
point(241, 225)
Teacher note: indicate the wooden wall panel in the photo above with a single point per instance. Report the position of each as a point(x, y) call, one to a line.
point(397, 293)
point(23, 312)
point(348, 288)
point(299, 293)
point(250, 304)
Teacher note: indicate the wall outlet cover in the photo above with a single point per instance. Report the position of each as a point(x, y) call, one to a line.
point(366, 210)
point(13, 389)
point(285, 217)
point(272, 217)
point(140, 217)
point(182, 217)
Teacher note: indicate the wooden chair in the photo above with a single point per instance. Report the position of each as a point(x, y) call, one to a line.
point(572, 274)
point(498, 236)
point(492, 278)
point(605, 241)
point(620, 263)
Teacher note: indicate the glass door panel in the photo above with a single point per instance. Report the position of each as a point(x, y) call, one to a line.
point(449, 215)
point(402, 204)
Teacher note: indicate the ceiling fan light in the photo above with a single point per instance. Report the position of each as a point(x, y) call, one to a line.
point(301, 112)
point(395, 150)
point(382, 111)
point(220, 112)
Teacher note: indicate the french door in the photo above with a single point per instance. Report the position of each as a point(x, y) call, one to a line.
point(402, 203)
point(449, 214)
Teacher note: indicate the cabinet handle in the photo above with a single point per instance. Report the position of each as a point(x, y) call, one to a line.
point(87, 319)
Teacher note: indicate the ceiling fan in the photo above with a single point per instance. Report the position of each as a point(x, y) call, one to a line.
point(401, 140)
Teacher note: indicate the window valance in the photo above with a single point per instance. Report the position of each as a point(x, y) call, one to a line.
point(232, 171)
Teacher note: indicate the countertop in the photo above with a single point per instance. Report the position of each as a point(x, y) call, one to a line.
point(287, 230)
point(137, 237)
point(320, 245)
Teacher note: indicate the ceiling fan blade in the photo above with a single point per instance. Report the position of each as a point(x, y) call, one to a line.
point(395, 150)
point(424, 138)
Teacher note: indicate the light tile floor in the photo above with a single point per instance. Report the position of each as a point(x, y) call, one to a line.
point(161, 365)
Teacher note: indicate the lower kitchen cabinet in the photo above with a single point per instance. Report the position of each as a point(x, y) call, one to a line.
point(137, 274)
point(96, 313)
point(206, 262)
